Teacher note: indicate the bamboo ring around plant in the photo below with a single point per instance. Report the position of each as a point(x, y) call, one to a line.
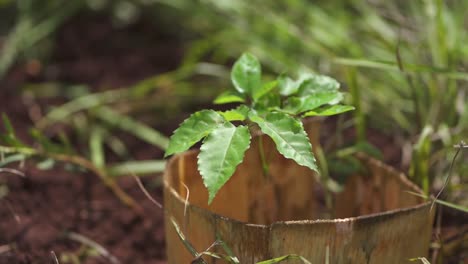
point(376, 219)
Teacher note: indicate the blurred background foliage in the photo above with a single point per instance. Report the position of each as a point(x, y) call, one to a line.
point(404, 64)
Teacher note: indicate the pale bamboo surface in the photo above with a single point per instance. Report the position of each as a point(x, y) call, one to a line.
point(261, 218)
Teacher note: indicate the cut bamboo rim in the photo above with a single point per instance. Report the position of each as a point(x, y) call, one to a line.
point(378, 221)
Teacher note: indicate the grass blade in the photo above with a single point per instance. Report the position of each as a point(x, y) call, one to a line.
point(137, 167)
point(96, 147)
point(444, 203)
point(392, 66)
point(284, 258)
point(128, 124)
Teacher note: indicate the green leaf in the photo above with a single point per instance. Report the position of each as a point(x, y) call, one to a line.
point(266, 88)
point(287, 86)
point(192, 130)
point(289, 136)
point(220, 154)
point(307, 103)
point(268, 102)
point(307, 84)
point(313, 84)
point(342, 168)
point(12, 158)
point(46, 143)
point(7, 124)
point(9, 138)
point(229, 97)
point(328, 111)
point(246, 74)
point(364, 146)
point(238, 114)
point(46, 164)
point(132, 126)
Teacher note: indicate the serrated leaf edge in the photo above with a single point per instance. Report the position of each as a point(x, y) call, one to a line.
point(168, 153)
point(210, 196)
point(302, 163)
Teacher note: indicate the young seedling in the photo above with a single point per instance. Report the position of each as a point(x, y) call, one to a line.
point(276, 107)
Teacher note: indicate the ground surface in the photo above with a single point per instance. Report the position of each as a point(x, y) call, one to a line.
point(42, 209)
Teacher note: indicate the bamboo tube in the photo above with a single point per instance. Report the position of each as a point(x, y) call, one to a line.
point(378, 220)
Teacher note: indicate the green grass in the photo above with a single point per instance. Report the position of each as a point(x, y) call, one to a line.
point(404, 62)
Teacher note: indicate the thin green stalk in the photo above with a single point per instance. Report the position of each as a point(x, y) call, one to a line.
point(139, 167)
point(420, 163)
point(414, 92)
point(356, 102)
point(265, 166)
point(132, 126)
point(392, 66)
point(28, 32)
point(96, 147)
point(459, 147)
point(187, 243)
point(325, 178)
point(285, 258)
point(82, 103)
point(441, 202)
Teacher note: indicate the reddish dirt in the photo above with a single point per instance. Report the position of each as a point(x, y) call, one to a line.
point(45, 205)
point(41, 208)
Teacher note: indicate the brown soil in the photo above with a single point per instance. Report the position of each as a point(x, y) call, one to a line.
point(42, 209)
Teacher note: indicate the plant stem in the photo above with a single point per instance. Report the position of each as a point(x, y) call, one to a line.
point(356, 101)
point(459, 147)
point(265, 166)
point(414, 93)
point(325, 178)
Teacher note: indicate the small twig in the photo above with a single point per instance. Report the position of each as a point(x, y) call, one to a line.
point(145, 191)
point(186, 243)
point(327, 255)
point(82, 162)
point(108, 181)
point(185, 207)
point(422, 259)
point(54, 257)
point(228, 250)
point(13, 171)
point(207, 252)
point(459, 147)
point(455, 242)
point(454, 206)
point(5, 248)
point(94, 245)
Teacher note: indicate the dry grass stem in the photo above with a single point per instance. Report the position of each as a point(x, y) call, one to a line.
point(94, 245)
point(145, 191)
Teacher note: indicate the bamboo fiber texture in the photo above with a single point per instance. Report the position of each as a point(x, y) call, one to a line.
point(375, 220)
